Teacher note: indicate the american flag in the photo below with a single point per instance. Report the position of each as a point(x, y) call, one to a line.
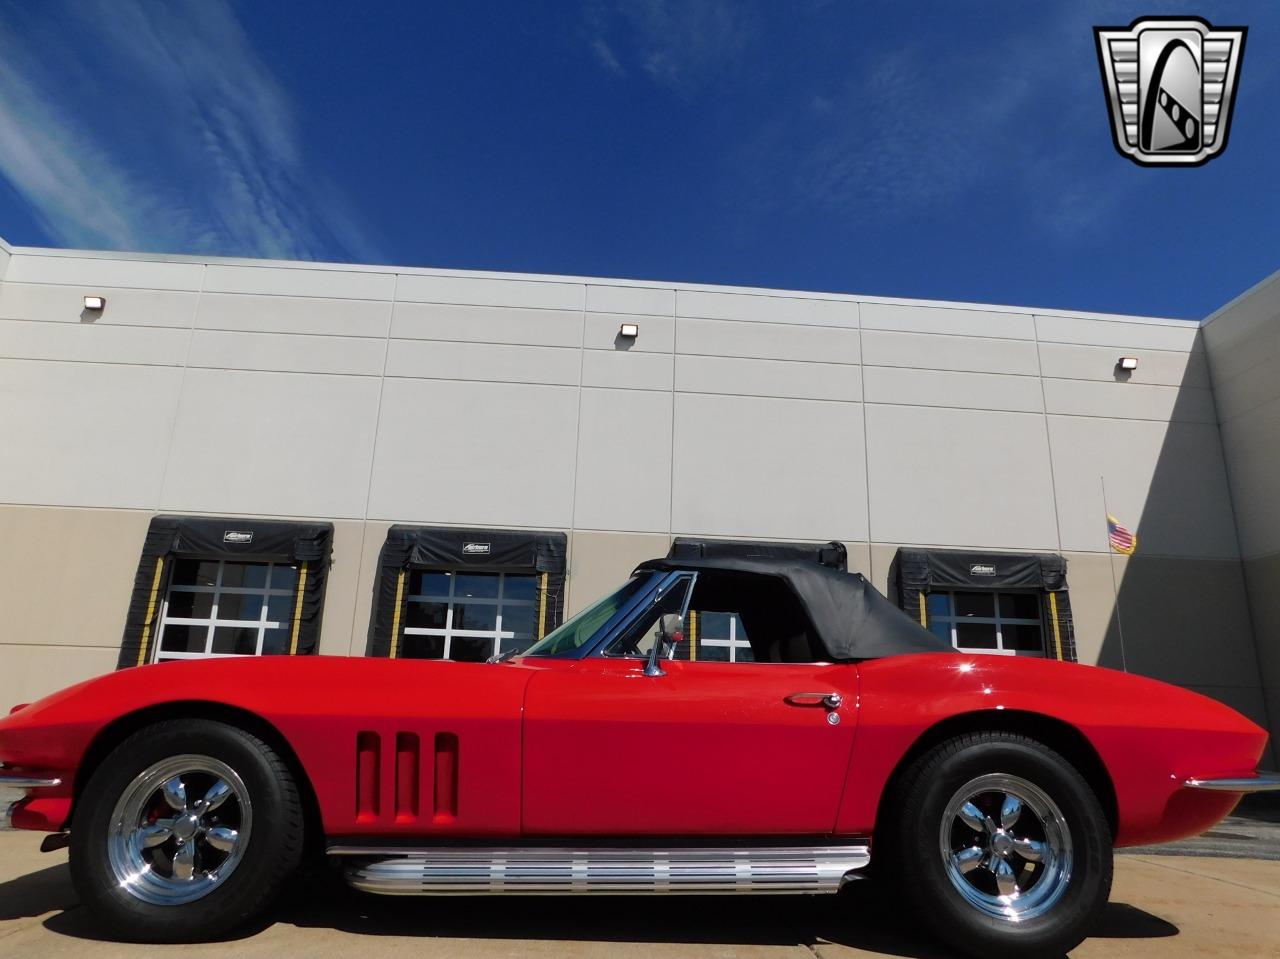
point(1123, 539)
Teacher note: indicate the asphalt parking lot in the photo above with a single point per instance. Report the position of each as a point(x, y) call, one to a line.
point(1161, 906)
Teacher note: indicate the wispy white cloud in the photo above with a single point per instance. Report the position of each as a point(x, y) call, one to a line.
point(676, 43)
point(211, 158)
point(890, 141)
point(605, 55)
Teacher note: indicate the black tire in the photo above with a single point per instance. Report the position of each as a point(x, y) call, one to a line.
point(908, 847)
point(271, 853)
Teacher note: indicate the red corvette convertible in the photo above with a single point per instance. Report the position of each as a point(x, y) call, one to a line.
point(990, 790)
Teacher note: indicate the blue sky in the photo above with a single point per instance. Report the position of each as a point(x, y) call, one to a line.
point(956, 150)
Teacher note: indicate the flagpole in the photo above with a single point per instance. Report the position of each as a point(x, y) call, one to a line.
point(1115, 589)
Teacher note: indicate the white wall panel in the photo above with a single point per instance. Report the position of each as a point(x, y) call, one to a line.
point(475, 453)
point(247, 313)
point(483, 361)
point(482, 291)
point(1155, 367)
point(84, 434)
point(287, 352)
point(979, 391)
point(484, 324)
point(767, 341)
point(275, 443)
point(805, 381)
point(1248, 349)
point(751, 466)
point(300, 281)
point(90, 343)
point(925, 351)
point(942, 319)
point(631, 299)
point(1125, 334)
point(103, 271)
point(959, 478)
point(624, 461)
point(1248, 390)
point(766, 308)
point(625, 369)
point(1129, 401)
point(657, 333)
point(125, 307)
point(1165, 481)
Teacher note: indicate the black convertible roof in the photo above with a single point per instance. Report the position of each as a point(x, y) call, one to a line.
point(852, 619)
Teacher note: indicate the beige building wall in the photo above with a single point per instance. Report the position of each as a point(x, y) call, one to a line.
point(368, 396)
point(1243, 340)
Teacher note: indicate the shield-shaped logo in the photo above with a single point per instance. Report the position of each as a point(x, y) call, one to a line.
point(1170, 83)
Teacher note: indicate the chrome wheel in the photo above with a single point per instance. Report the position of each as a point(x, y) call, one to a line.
point(1006, 847)
point(179, 830)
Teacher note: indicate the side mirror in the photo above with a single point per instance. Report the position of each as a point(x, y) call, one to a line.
point(668, 631)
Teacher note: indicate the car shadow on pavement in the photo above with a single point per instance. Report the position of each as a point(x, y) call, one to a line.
point(861, 916)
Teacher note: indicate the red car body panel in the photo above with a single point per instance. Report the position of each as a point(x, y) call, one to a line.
point(708, 749)
point(423, 749)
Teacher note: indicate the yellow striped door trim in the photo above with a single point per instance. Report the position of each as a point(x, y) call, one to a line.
point(151, 612)
point(924, 616)
point(693, 635)
point(395, 618)
point(542, 606)
point(1053, 615)
point(297, 609)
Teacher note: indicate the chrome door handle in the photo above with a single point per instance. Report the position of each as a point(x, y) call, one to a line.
point(826, 700)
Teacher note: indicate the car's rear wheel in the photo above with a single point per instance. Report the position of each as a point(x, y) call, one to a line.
point(186, 830)
point(999, 845)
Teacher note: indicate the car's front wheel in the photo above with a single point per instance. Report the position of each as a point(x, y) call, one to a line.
point(186, 830)
point(1000, 846)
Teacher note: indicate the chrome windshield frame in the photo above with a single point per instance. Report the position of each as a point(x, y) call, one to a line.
point(625, 613)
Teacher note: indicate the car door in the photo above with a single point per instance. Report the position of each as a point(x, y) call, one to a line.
point(705, 748)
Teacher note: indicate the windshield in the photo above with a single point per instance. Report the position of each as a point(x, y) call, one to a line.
point(578, 631)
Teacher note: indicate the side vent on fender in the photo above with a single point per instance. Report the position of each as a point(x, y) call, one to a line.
point(445, 808)
point(407, 764)
point(368, 776)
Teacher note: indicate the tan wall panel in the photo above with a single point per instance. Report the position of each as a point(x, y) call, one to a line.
point(879, 559)
point(1262, 579)
point(601, 562)
point(28, 673)
point(375, 534)
point(66, 574)
point(341, 589)
point(1186, 621)
point(1093, 604)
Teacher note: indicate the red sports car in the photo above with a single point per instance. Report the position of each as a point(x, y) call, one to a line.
point(989, 790)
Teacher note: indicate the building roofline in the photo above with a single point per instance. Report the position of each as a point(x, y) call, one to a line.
point(1258, 287)
point(592, 280)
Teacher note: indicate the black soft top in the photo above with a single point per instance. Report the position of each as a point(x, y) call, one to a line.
point(852, 620)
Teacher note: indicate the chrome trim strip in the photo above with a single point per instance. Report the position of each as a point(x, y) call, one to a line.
point(1262, 782)
point(544, 871)
point(11, 781)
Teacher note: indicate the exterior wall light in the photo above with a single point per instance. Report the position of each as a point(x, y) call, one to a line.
point(95, 303)
point(1127, 363)
point(629, 331)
